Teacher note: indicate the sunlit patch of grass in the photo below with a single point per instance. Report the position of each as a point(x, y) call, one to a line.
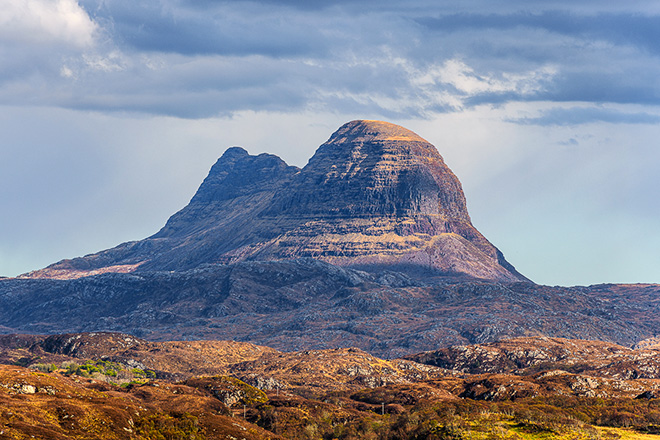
point(624, 434)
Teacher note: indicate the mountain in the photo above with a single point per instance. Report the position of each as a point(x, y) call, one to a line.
point(370, 245)
point(374, 195)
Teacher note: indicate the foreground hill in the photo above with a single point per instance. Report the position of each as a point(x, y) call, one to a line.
point(267, 368)
point(98, 389)
point(526, 356)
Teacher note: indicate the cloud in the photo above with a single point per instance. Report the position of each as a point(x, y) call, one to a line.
point(619, 28)
point(381, 83)
point(49, 22)
point(200, 59)
point(242, 28)
point(599, 57)
point(37, 37)
point(587, 115)
point(467, 84)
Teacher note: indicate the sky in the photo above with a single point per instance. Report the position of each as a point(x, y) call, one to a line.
point(113, 111)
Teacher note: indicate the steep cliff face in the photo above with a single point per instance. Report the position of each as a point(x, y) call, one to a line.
point(374, 169)
point(375, 194)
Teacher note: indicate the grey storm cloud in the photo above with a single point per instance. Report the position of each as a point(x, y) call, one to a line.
point(620, 28)
point(222, 30)
point(200, 59)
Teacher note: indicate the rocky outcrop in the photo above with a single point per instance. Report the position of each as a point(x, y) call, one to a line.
point(375, 194)
point(556, 356)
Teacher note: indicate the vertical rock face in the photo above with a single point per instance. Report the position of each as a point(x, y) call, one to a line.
point(372, 168)
point(375, 194)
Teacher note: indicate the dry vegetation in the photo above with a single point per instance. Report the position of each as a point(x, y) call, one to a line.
point(259, 393)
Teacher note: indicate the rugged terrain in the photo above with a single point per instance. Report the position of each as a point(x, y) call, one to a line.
point(115, 386)
point(309, 304)
point(370, 245)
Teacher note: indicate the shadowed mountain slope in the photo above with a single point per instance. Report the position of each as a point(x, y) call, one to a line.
point(309, 304)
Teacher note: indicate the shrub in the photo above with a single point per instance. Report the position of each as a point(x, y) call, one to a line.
point(168, 427)
point(44, 368)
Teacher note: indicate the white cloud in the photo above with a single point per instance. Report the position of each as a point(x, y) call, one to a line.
point(46, 22)
point(66, 72)
point(466, 80)
point(114, 61)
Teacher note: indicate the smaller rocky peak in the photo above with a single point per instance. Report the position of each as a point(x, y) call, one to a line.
point(235, 151)
point(237, 173)
point(237, 184)
point(233, 154)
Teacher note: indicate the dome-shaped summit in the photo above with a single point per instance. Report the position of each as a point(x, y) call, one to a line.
point(374, 168)
point(369, 130)
point(377, 193)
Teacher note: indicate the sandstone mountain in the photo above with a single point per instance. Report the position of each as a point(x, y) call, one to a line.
point(374, 195)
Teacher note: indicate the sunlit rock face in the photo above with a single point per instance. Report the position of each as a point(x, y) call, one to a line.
point(374, 195)
point(375, 169)
point(378, 194)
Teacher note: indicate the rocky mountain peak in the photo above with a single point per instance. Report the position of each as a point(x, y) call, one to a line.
point(238, 173)
point(378, 194)
point(374, 168)
point(237, 183)
point(375, 194)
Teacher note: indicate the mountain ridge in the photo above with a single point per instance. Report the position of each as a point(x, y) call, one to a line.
point(310, 304)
